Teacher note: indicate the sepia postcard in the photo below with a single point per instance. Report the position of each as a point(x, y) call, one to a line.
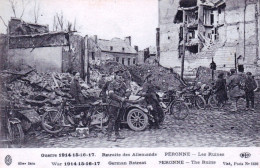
point(129, 83)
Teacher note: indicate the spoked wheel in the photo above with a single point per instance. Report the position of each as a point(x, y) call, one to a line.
point(200, 102)
point(137, 120)
point(179, 110)
point(48, 123)
point(16, 135)
point(188, 102)
point(213, 102)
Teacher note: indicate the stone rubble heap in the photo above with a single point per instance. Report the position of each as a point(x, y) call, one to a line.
point(29, 89)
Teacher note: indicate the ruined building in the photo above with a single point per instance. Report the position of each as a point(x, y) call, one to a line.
point(201, 30)
point(30, 44)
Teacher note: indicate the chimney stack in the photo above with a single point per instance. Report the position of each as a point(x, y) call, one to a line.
point(95, 39)
point(136, 48)
point(128, 40)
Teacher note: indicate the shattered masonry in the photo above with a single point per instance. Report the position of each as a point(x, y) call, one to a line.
point(218, 29)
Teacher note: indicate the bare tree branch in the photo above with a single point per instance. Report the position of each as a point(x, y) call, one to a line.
point(3, 21)
point(74, 28)
point(13, 6)
point(22, 9)
point(60, 20)
point(69, 26)
point(54, 24)
point(36, 11)
point(59, 23)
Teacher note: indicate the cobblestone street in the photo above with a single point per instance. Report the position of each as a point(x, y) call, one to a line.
point(202, 128)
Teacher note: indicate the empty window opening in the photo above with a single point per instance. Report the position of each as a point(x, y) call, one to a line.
point(111, 48)
point(123, 61)
point(208, 17)
point(117, 59)
point(181, 33)
point(211, 18)
point(193, 49)
point(180, 51)
point(188, 3)
point(93, 56)
point(219, 11)
point(129, 59)
point(179, 17)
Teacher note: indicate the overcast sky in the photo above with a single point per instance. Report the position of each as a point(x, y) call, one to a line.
point(105, 18)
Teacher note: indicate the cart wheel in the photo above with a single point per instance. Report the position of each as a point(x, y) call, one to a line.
point(50, 126)
point(200, 102)
point(213, 102)
point(137, 120)
point(179, 110)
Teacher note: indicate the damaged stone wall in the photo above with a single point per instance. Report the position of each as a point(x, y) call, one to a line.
point(238, 33)
point(39, 40)
point(140, 57)
point(169, 38)
point(93, 50)
point(3, 51)
point(19, 27)
point(73, 56)
point(42, 51)
point(43, 59)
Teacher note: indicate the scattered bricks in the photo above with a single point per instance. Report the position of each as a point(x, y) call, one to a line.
point(32, 90)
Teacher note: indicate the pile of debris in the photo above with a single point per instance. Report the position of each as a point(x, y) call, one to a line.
point(29, 89)
point(162, 77)
point(99, 74)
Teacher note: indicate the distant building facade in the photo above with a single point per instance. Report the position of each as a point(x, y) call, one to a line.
point(115, 49)
point(226, 31)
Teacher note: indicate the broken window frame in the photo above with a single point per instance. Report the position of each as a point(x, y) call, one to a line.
point(181, 34)
point(134, 61)
point(129, 61)
point(192, 49)
point(207, 17)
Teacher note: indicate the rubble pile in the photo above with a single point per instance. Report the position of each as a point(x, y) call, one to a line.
point(161, 76)
point(99, 74)
point(29, 89)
